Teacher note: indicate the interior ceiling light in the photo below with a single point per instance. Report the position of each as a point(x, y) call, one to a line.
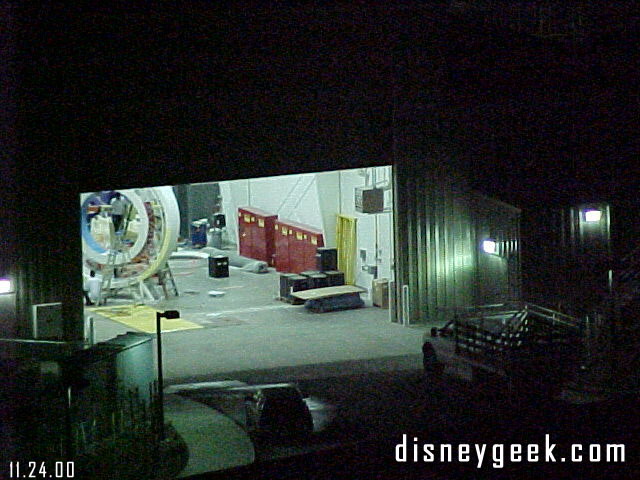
point(5, 285)
point(489, 246)
point(592, 216)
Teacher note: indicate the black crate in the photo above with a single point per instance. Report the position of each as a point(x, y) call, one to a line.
point(318, 280)
point(284, 284)
point(219, 220)
point(296, 283)
point(219, 266)
point(335, 278)
point(327, 260)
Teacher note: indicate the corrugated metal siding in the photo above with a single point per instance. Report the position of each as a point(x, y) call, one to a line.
point(566, 260)
point(49, 262)
point(592, 240)
point(440, 225)
point(498, 276)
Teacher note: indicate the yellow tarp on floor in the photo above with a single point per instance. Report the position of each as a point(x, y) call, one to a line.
point(143, 318)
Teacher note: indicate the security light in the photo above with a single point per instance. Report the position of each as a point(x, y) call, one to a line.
point(489, 246)
point(5, 285)
point(592, 216)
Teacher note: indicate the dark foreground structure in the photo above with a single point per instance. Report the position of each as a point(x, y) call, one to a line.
point(488, 124)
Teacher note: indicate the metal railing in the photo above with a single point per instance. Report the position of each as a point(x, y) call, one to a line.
point(499, 328)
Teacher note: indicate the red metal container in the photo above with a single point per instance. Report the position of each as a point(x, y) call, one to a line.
point(281, 255)
point(256, 234)
point(296, 245)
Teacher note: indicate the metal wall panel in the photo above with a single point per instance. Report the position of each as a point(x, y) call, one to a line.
point(49, 266)
point(440, 226)
point(498, 275)
point(568, 259)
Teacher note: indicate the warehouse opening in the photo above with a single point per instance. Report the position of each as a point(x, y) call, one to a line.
point(265, 272)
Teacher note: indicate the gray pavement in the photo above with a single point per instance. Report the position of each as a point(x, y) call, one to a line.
point(215, 442)
point(249, 335)
point(248, 328)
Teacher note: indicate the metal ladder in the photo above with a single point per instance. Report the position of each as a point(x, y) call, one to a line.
point(108, 273)
point(165, 274)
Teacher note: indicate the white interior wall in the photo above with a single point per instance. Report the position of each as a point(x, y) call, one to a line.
point(234, 194)
point(374, 231)
point(291, 197)
point(315, 199)
point(328, 187)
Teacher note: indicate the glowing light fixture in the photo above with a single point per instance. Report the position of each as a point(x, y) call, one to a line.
point(489, 246)
point(5, 285)
point(592, 216)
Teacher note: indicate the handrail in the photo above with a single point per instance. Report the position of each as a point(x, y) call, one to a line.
point(470, 334)
point(516, 305)
point(555, 317)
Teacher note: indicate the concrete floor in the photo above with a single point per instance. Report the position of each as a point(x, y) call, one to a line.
point(249, 329)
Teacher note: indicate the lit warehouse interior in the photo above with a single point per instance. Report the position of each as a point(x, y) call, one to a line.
point(232, 253)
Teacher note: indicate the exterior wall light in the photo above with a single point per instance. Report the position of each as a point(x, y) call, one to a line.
point(592, 216)
point(5, 286)
point(489, 246)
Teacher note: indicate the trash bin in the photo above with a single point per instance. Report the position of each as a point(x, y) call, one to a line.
point(219, 266)
point(199, 233)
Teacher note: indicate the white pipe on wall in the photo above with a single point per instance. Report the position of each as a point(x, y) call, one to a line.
point(405, 305)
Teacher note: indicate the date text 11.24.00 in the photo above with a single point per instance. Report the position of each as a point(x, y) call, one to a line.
point(61, 470)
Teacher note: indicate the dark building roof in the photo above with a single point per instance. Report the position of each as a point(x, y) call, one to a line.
point(142, 96)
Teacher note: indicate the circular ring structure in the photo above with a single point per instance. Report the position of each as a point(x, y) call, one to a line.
point(92, 250)
point(158, 222)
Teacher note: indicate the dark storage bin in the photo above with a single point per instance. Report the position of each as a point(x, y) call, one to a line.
point(219, 266)
point(335, 278)
point(338, 302)
point(327, 259)
point(296, 283)
point(199, 233)
point(284, 284)
point(219, 220)
point(318, 280)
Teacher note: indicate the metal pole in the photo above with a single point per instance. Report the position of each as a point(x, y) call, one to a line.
point(68, 426)
point(160, 379)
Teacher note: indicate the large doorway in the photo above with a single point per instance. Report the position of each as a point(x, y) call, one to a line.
point(240, 321)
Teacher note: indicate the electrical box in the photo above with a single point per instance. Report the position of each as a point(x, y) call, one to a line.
point(369, 200)
point(295, 246)
point(256, 237)
point(47, 321)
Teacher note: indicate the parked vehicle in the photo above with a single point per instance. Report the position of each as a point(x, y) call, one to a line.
point(530, 347)
point(278, 410)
